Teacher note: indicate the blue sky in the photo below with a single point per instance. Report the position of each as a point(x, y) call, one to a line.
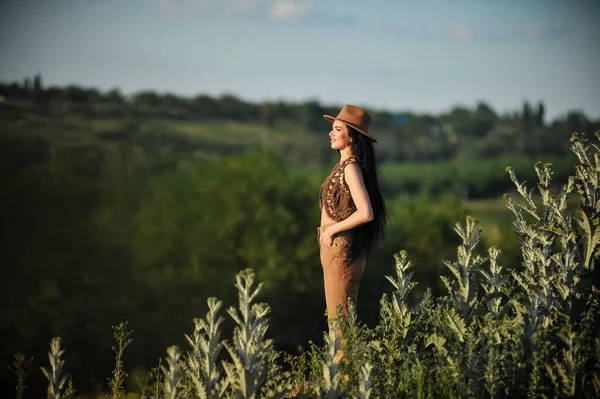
point(424, 56)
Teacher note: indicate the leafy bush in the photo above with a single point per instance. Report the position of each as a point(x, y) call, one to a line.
point(525, 331)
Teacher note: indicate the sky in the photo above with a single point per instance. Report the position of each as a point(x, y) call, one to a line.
point(419, 56)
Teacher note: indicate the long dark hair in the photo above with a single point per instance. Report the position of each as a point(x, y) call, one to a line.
point(370, 234)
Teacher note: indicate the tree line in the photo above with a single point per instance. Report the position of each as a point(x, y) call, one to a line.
point(460, 133)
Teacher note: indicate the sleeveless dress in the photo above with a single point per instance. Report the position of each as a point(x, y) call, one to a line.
point(341, 278)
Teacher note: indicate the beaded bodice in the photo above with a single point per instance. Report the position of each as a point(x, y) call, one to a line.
point(335, 195)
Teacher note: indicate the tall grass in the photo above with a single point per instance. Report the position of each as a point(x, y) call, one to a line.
point(527, 330)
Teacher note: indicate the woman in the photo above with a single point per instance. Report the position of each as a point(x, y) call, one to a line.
point(353, 213)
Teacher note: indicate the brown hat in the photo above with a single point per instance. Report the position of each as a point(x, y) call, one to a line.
point(354, 117)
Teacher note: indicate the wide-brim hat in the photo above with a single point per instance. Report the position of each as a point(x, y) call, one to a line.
point(354, 117)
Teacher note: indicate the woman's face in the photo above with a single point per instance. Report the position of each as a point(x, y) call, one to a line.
point(339, 136)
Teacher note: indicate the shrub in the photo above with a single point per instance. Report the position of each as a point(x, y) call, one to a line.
point(528, 332)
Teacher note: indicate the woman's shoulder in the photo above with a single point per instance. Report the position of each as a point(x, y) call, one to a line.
point(351, 168)
point(350, 165)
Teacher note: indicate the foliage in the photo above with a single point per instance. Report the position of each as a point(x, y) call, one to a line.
point(55, 375)
point(165, 212)
point(18, 368)
point(498, 332)
point(122, 336)
point(152, 239)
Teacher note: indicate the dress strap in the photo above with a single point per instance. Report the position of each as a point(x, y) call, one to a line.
point(347, 162)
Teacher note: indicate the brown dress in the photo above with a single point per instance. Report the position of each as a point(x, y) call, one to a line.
point(341, 278)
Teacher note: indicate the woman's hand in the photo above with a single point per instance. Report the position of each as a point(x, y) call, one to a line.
point(326, 237)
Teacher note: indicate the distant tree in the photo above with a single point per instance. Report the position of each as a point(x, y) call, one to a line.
point(148, 98)
point(528, 125)
point(499, 141)
point(267, 115)
point(37, 94)
point(93, 95)
point(482, 121)
point(485, 111)
point(383, 120)
point(310, 116)
point(12, 90)
point(458, 114)
point(114, 96)
point(54, 94)
point(174, 101)
point(37, 83)
point(204, 106)
point(539, 115)
point(283, 110)
point(231, 107)
point(527, 113)
point(577, 122)
point(77, 94)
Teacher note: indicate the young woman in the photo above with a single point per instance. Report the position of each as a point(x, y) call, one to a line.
point(353, 212)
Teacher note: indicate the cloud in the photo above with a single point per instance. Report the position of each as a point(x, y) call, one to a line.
point(281, 11)
point(285, 10)
point(461, 32)
point(305, 15)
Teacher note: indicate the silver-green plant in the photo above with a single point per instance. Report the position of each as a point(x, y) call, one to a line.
point(394, 342)
point(55, 375)
point(250, 352)
point(462, 288)
point(365, 384)
point(202, 366)
point(331, 388)
point(524, 333)
point(355, 338)
point(557, 248)
point(493, 285)
point(173, 373)
point(537, 239)
point(587, 181)
point(458, 351)
point(403, 285)
point(498, 329)
point(563, 373)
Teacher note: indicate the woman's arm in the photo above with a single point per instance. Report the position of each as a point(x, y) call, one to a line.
point(364, 211)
